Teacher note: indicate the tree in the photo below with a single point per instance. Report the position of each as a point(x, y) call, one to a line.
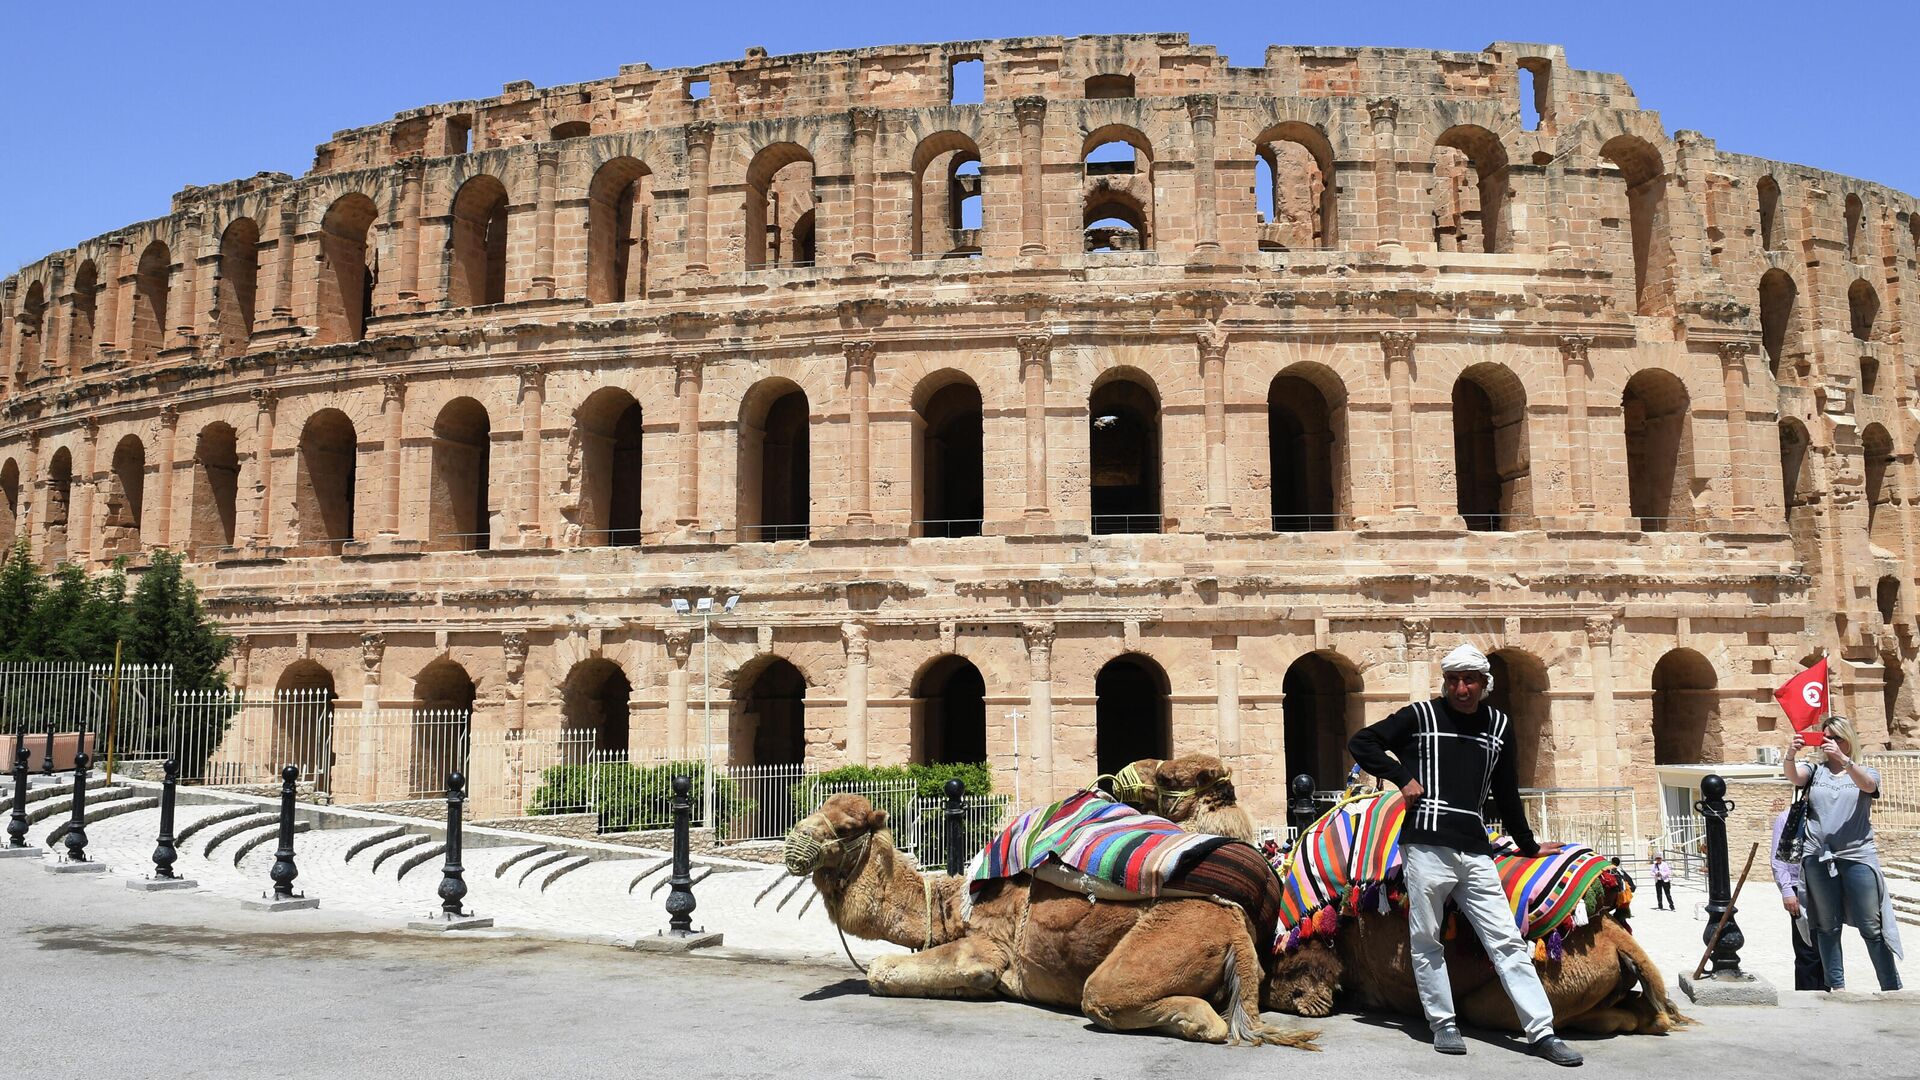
point(167, 624)
point(21, 590)
point(80, 617)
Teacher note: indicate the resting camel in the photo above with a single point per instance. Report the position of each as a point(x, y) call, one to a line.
point(1185, 967)
point(1592, 986)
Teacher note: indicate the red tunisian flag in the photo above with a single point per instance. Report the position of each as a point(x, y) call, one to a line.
point(1804, 697)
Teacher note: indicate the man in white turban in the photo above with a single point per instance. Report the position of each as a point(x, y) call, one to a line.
point(1446, 755)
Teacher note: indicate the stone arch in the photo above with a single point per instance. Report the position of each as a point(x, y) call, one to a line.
point(324, 482)
point(1863, 309)
point(126, 496)
point(458, 516)
point(1659, 434)
point(1133, 712)
point(1854, 211)
point(1797, 489)
point(346, 273)
point(775, 488)
point(1521, 686)
point(619, 229)
point(443, 694)
point(1492, 459)
point(1779, 328)
point(949, 712)
point(306, 675)
point(1117, 190)
point(239, 278)
point(1301, 190)
point(1320, 709)
point(1644, 173)
point(82, 316)
point(59, 500)
point(1306, 448)
point(609, 428)
point(30, 328)
point(1882, 487)
point(1470, 190)
point(1886, 597)
point(780, 202)
point(595, 697)
point(9, 507)
point(1768, 191)
point(949, 495)
point(768, 725)
point(478, 275)
point(152, 281)
point(1124, 453)
point(948, 193)
point(1686, 710)
point(216, 486)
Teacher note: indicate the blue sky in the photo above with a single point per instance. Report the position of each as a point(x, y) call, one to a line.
point(110, 107)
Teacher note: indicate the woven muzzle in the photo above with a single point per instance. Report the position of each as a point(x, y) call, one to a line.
point(801, 852)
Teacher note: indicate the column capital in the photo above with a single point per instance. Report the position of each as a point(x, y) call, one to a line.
point(859, 355)
point(513, 645)
point(372, 648)
point(1383, 111)
point(687, 368)
point(169, 415)
point(854, 636)
point(1039, 638)
point(1034, 348)
point(865, 120)
point(700, 134)
point(292, 203)
point(91, 426)
point(1398, 344)
point(1029, 110)
point(264, 398)
point(679, 641)
point(1418, 632)
point(393, 388)
point(546, 155)
point(532, 376)
point(1574, 347)
point(1212, 342)
point(412, 167)
point(1202, 108)
point(1734, 353)
point(1599, 630)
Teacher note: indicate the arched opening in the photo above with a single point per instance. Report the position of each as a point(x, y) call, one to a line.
point(608, 426)
point(1123, 452)
point(324, 483)
point(946, 196)
point(443, 695)
point(1779, 335)
point(1686, 710)
point(126, 497)
point(1116, 204)
point(152, 279)
point(216, 483)
point(458, 517)
point(949, 448)
point(81, 323)
point(1895, 702)
point(1659, 451)
point(770, 717)
point(1796, 479)
point(9, 507)
point(775, 471)
point(572, 129)
point(1882, 488)
point(479, 273)
point(53, 523)
point(1304, 438)
point(1492, 461)
point(346, 274)
point(303, 723)
point(595, 697)
point(950, 713)
point(1863, 308)
point(780, 205)
point(1469, 190)
point(30, 327)
point(1295, 189)
point(1769, 211)
point(1854, 211)
point(239, 274)
point(1314, 720)
point(1110, 86)
point(1644, 175)
point(1133, 713)
point(619, 218)
point(1886, 597)
point(1520, 691)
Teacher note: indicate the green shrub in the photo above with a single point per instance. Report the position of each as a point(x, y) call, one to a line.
point(627, 797)
point(899, 787)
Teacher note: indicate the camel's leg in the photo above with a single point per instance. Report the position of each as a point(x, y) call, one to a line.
point(967, 968)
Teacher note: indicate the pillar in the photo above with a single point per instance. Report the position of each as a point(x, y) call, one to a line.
point(855, 637)
point(1418, 635)
point(532, 403)
point(1213, 378)
point(86, 492)
point(285, 257)
point(1384, 114)
point(1602, 725)
point(185, 300)
point(1039, 640)
point(687, 374)
point(1030, 112)
point(679, 733)
point(169, 447)
point(53, 325)
point(1577, 372)
point(1733, 367)
point(1226, 666)
point(1558, 213)
point(865, 122)
point(372, 648)
point(393, 404)
point(264, 400)
point(859, 386)
point(1201, 109)
point(1034, 349)
point(106, 321)
point(547, 164)
point(1398, 346)
point(699, 152)
point(412, 199)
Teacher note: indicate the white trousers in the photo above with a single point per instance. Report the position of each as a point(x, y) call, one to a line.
point(1436, 873)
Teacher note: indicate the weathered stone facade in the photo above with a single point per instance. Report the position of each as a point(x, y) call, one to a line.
point(1354, 359)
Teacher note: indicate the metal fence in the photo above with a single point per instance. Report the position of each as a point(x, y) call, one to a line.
point(1898, 806)
point(396, 755)
point(222, 737)
point(127, 713)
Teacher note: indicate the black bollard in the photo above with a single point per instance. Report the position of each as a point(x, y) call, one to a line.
point(453, 883)
point(77, 824)
point(680, 902)
point(17, 821)
point(163, 854)
point(46, 762)
point(1714, 806)
point(1300, 803)
point(284, 871)
point(956, 828)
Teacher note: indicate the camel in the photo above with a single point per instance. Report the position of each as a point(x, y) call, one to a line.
point(1159, 965)
point(1592, 986)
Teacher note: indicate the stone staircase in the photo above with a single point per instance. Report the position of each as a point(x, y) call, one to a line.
point(1903, 881)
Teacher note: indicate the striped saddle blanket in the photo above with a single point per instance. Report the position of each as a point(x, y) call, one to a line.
point(1110, 843)
point(1349, 861)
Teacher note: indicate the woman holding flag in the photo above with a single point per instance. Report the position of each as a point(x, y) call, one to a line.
point(1840, 867)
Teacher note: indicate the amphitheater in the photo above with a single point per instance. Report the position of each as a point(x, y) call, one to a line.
point(1047, 401)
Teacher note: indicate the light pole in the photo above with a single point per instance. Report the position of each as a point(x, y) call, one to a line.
point(702, 609)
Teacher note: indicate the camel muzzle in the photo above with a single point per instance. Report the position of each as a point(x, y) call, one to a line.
point(800, 852)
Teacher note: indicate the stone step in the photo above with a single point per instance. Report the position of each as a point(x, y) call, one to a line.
point(517, 858)
point(35, 795)
point(395, 847)
point(41, 811)
point(1901, 868)
point(562, 869)
point(200, 822)
point(266, 836)
point(379, 837)
point(235, 826)
point(420, 855)
point(94, 814)
point(529, 867)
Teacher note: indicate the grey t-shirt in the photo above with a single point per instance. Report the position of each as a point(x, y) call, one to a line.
point(1839, 820)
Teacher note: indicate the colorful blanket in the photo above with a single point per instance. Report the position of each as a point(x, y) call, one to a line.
point(1349, 861)
point(1099, 837)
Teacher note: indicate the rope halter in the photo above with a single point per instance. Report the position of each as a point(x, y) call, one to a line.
point(803, 854)
point(1130, 787)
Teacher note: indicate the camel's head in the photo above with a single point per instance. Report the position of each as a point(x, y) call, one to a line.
point(1133, 785)
point(1303, 980)
point(833, 837)
point(1196, 792)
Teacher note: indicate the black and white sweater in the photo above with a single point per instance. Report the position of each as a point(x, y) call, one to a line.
point(1457, 760)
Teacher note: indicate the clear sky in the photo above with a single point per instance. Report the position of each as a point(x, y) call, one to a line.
point(111, 106)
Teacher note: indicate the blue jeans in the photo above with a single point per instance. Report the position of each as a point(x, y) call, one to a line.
point(1853, 895)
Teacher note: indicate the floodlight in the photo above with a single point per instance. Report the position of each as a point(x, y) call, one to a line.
point(680, 605)
point(732, 600)
point(703, 605)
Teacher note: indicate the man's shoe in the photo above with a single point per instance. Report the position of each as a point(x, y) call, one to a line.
point(1448, 1041)
point(1554, 1049)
